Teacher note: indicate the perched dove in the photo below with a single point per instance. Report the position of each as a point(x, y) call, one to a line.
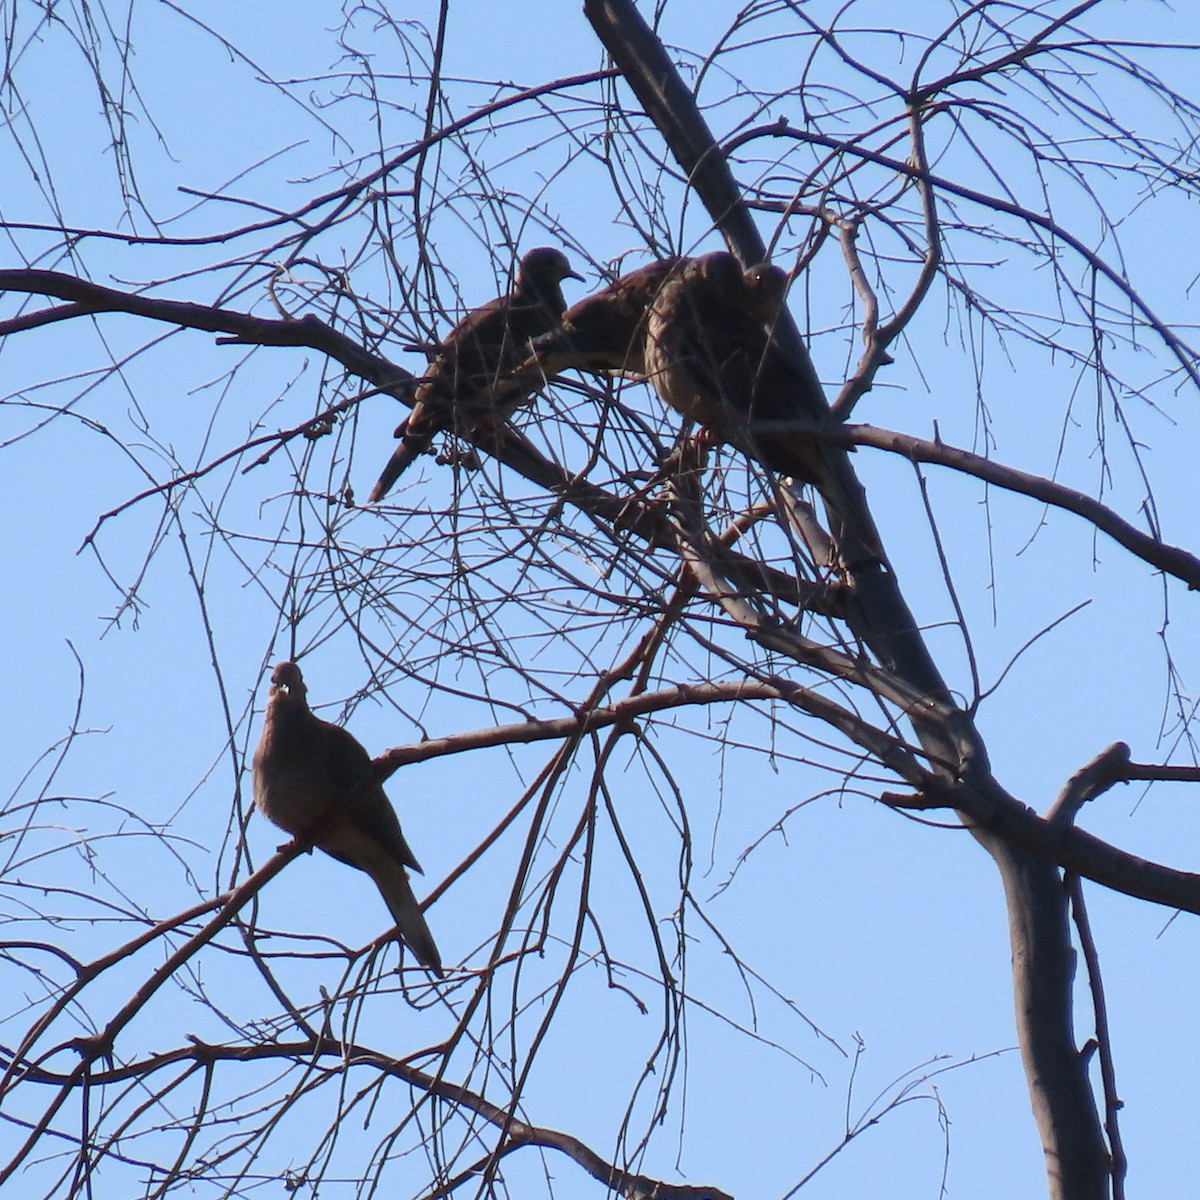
point(315, 780)
point(711, 356)
point(464, 388)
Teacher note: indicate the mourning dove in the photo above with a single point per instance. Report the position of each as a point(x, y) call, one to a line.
point(315, 780)
point(464, 388)
point(606, 331)
point(711, 356)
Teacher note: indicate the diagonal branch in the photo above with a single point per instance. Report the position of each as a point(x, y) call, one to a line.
point(85, 298)
point(985, 810)
point(648, 70)
point(1168, 558)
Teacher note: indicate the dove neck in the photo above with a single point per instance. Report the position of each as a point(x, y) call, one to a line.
point(541, 293)
point(291, 726)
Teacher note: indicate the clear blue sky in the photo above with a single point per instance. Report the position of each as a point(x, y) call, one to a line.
point(871, 925)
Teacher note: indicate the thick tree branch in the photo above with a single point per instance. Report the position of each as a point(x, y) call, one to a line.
point(646, 67)
point(86, 298)
point(1093, 778)
point(510, 447)
point(1043, 961)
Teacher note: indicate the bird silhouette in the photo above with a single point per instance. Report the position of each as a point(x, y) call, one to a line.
point(468, 386)
point(315, 780)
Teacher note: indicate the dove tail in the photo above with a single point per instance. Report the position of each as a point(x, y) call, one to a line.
point(410, 449)
point(392, 881)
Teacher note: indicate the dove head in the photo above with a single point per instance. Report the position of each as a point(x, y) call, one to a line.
point(718, 273)
point(539, 280)
point(766, 286)
point(286, 681)
point(545, 265)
